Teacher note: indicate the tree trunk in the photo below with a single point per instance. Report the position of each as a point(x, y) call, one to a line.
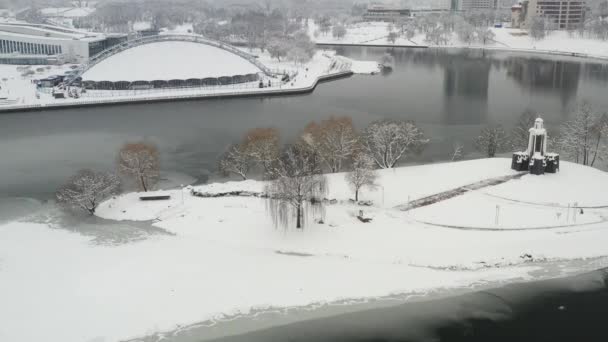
point(357, 195)
point(143, 183)
point(298, 216)
point(597, 146)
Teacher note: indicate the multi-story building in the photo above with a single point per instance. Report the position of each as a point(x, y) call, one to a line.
point(383, 13)
point(466, 5)
point(561, 14)
point(22, 43)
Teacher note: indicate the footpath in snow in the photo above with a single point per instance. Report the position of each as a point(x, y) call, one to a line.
point(225, 256)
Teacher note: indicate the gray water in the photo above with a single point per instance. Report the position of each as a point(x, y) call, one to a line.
point(451, 94)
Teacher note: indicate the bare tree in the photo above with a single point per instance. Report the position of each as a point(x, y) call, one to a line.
point(457, 151)
point(325, 24)
point(141, 162)
point(388, 141)
point(298, 187)
point(466, 32)
point(298, 55)
point(521, 132)
point(583, 137)
point(278, 48)
point(334, 140)
point(339, 31)
point(262, 145)
point(485, 35)
point(363, 173)
point(87, 189)
point(236, 160)
point(538, 29)
point(410, 31)
point(492, 140)
point(392, 37)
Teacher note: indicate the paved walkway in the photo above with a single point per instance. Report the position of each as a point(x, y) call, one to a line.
point(442, 196)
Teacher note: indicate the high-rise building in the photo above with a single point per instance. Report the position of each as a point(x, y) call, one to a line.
point(560, 14)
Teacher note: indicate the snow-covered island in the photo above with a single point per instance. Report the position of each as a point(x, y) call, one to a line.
point(221, 255)
point(175, 60)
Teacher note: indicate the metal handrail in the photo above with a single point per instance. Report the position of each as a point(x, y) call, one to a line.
point(132, 43)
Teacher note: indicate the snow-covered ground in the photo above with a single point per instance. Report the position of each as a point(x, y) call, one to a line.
point(224, 255)
point(19, 89)
point(365, 33)
point(562, 42)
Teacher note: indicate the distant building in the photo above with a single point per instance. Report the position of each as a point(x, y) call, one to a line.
point(466, 5)
point(427, 11)
point(518, 15)
point(22, 43)
point(562, 14)
point(383, 13)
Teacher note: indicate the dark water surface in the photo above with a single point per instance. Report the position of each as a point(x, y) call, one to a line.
point(451, 94)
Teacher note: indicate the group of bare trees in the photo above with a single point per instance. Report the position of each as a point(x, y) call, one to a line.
point(296, 47)
point(583, 138)
point(138, 163)
point(295, 171)
point(334, 144)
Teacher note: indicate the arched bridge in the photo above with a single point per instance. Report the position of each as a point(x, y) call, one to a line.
point(132, 43)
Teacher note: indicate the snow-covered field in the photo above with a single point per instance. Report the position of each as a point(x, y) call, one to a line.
point(224, 255)
point(561, 42)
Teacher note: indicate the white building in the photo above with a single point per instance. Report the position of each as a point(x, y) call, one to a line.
point(22, 43)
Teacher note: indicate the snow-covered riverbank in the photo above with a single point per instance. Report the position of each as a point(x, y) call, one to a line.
point(224, 255)
point(556, 42)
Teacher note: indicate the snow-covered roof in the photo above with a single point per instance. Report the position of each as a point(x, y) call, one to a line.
point(168, 61)
point(46, 31)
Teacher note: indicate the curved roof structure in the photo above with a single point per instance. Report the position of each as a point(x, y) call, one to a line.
point(169, 60)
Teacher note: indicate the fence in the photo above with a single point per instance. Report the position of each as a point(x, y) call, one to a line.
point(177, 97)
point(157, 91)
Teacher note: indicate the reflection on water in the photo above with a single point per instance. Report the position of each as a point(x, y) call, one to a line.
point(540, 76)
point(466, 85)
point(451, 94)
